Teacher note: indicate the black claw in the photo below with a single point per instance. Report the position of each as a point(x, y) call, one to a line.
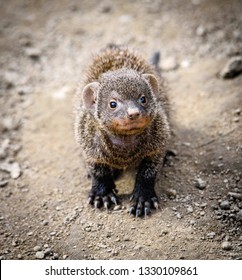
point(147, 211)
point(90, 200)
point(106, 205)
point(97, 202)
point(138, 212)
point(132, 210)
point(156, 205)
point(147, 208)
point(113, 198)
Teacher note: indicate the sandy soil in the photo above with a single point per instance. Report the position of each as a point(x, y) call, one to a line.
point(44, 48)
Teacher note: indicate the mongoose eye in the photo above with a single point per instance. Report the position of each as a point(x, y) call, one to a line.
point(143, 99)
point(113, 104)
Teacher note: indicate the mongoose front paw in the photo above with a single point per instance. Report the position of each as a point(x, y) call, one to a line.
point(141, 205)
point(106, 200)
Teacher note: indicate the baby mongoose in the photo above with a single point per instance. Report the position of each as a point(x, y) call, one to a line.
point(121, 122)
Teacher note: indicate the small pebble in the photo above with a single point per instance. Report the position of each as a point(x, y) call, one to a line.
point(235, 195)
point(40, 255)
point(3, 183)
point(201, 31)
point(171, 192)
point(185, 63)
point(225, 205)
point(48, 251)
point(33, 53)
point(3, 153)
point(37, 248)
point(56, 256)
point(169, 64)
point(189, 209)
point(237, 111)
point(45, 223)
point(10, 123)
point(200, 184)
point(192, 222)
point(178, 215)
point(232, 68)
point(117, 207)
point(138, 247)
point(226, 245)
point(15, 170)
point(235, 119)
point(211, 235)
point(239, 215)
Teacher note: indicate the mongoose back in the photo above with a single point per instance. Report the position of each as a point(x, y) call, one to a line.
point(121, 122)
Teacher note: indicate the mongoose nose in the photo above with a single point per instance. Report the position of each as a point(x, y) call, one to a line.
point(133, 113)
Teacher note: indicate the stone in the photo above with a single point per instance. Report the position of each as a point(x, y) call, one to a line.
point(117, 207)
point(3, 183)
point(200, 184)
point(239, 215)
point(33, 53)
point(169, 64)
point(40, 255)
point(232, 68)
point(15, 170)
point(189, 209)
point(235, 195)
point(12, 168)
point(201, 31)
point(226, 245)
point(225, 205)
point(37, 248)
point(211, 235)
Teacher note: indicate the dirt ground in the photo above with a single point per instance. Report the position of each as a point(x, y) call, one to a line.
point(44, 48)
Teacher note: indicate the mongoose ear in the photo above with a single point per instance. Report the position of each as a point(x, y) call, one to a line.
point(89, 95)
point(151, 79)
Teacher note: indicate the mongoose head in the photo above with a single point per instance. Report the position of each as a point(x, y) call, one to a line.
point(123, 101)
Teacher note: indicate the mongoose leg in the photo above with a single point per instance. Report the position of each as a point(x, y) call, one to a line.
point(103, 188)
point(144, 197)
